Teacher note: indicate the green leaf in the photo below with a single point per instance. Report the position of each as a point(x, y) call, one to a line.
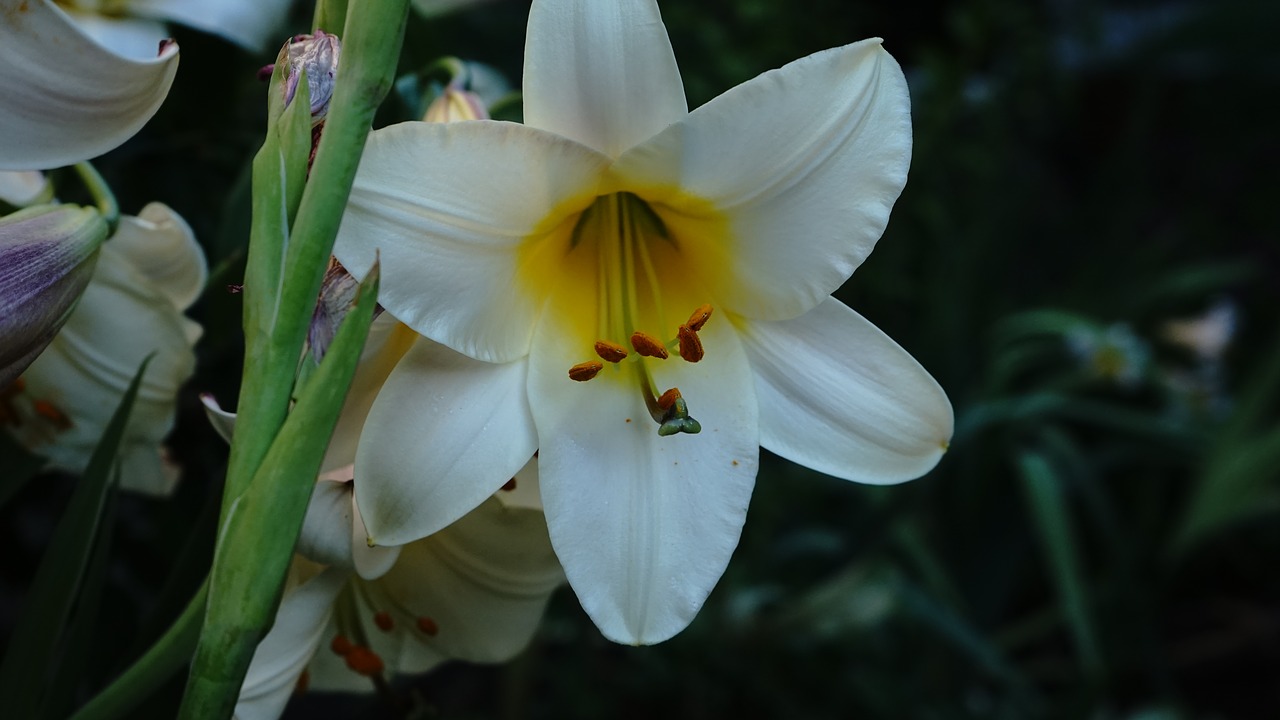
point(79, 633)
point(1238, 482)
point(29, 661)
point(1051, 514)
point(169, 655)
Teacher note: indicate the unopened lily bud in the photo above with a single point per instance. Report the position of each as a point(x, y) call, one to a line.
point(454, 105)
point(47, 255)
point(318, 56)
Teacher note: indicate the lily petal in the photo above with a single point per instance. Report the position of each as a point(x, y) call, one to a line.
point(644, 525)
point(66, 98)
point(841, 397)
point(443, 435)
point(129, 37)
point(162, 247)
point(600, 73)
point(803, 162)
point(300, 625)
point(251, 24)
point(20, 188)
point(483, 582)
point(447, 206)
point(388, 341)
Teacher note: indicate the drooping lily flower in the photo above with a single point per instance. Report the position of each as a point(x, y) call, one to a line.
point(47, 256)
point(133, 27)
point(147, 274)
point(474, 591)
point(63, 97)
point(642, 294)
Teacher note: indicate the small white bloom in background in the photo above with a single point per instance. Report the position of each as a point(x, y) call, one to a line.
point(642, 294)
point(63, 97)
point(148, 273)
point(47, 257)
point(23, 188)
point(1112, 353)
point(133, 27)
point(1207, 335)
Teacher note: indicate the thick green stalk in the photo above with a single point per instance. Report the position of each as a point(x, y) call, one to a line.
point(275, 460)
point(256, 543)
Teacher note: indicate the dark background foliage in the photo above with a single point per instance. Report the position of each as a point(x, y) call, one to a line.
point(1089, 547)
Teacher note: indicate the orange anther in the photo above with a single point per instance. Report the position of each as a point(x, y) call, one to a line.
point(428, 626)
point(364, 661)
point(584, 371)
point(690, 343)
point(612, 352)
point(668, 398)
point(509, 485)
point(341, 645)
point(383, 620)
point(699, 317)
point(648, 346)
point(49, 411)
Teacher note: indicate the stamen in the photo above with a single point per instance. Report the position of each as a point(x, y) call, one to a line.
point(50, 412)
point(699, 317)
point(668, 398)
point(364, 661)
point(612, 352)
point(341, 645)
point(427, 626)
point(384, 621)
point(648, 346)
point(584, 371)
point(690, 344)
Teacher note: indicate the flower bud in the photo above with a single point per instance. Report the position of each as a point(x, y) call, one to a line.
point(47, 255)
point(454, 105)
point(318, 56)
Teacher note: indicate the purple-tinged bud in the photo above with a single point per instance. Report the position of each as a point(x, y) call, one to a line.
point(318, 56)
point(454, 105)
point(47, 255)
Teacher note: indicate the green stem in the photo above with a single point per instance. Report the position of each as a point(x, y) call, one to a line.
point(101, 193)
point(170, 653)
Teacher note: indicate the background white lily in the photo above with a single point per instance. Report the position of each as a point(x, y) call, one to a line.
point(613, 211)
point(474, 591)
point(147, 274)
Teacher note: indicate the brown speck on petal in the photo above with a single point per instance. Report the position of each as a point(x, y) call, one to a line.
point(427, 626)
point(341, 645)
point(383, 620)
point(509, 485)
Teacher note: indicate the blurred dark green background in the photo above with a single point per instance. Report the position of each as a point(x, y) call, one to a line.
point(1102, 539)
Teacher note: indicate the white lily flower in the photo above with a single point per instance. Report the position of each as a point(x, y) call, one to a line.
point(63, 97)
point(474, 591)
point(147, 274)
point(133, 27)
point(595, 230)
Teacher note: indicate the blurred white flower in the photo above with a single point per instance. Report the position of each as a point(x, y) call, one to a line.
point(1208, 334)
point(1111, 353)
point(147, 274)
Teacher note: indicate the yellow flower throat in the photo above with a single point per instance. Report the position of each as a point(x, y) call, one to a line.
point(614, 264)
